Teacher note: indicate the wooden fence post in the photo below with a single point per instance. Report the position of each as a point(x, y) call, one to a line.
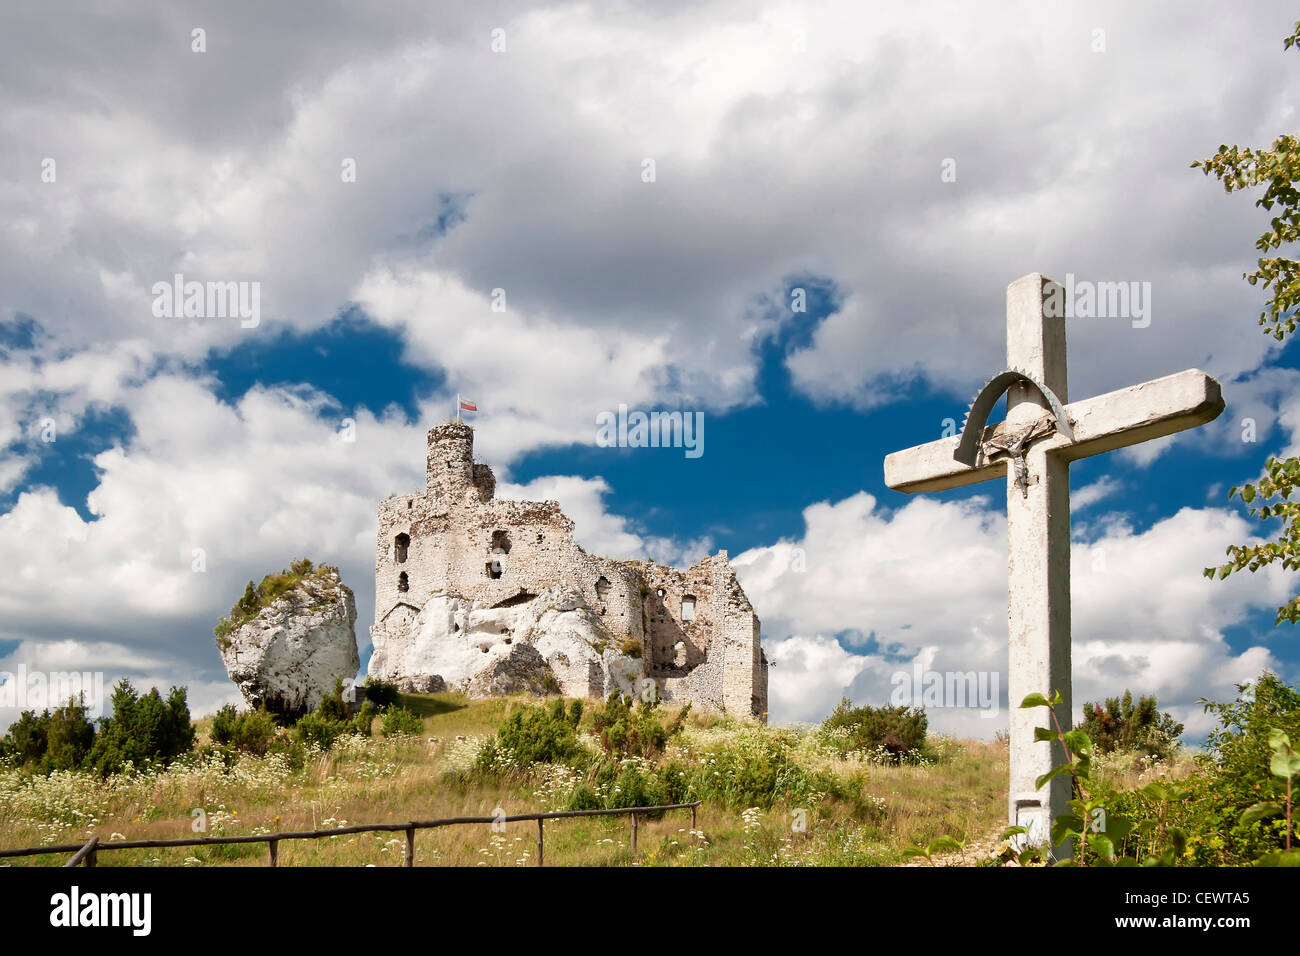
point(540, 829)
point(633, 836)
point(275, 849)
point(85, 855)
point(410, 846)
point(693, 827)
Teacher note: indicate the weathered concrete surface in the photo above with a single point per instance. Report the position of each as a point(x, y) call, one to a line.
point(1127, 416)
point(1038, 519)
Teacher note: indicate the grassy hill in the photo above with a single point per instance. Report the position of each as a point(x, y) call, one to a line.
point(870, 814)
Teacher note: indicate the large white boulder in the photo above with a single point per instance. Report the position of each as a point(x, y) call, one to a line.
point(290, 653)
point(548, 643)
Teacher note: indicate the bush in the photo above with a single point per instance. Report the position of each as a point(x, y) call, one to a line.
point(313, 729)
point(251, 732)
point(400, 722)
point(380, 693)
point(1123, 725)
point(331, 720)
point(51, 741)
point(1197, 820)
point(630, 729)
point(143, 730)
point(27, 739)
point(542, 733)
point(897, 731)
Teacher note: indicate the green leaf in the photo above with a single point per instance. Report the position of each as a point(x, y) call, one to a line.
point(1102, 845)
point(1055, 771)
point(1009, 832)
point(1260, 811)
point(1285, 765)
point(1117, 827)
point(1065, 827)
point(1078, 742)
point(1044, 733)
point(912, 851)
point(1034, 700)
point(944, 843)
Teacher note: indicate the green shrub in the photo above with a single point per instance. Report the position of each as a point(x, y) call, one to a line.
point(541, 733)
point(50, 741)
point(250, 732)
point(380, 693)
point(143, 730)
point(898, 732)
point(627, 728)
point(314, 729)
point(332, 706)
point(400, 722)
point(1198, 820)
point(27, 738)
point(1238, 759)
point(331, 720)
point(1123, 725)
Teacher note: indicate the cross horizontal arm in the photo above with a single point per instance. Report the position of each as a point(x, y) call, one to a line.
point(1124, 417)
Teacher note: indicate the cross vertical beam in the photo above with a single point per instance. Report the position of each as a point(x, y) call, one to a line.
point(1038, 564)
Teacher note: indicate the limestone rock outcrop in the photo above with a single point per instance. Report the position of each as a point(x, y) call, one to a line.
point(537, 644)
point(289, 653)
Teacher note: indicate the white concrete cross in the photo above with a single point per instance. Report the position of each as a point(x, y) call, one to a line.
point(1038, 508)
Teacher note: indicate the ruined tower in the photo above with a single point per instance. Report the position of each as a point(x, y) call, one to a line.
point(460, 573)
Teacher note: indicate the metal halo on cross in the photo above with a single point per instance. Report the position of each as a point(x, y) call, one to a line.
point(972, 429)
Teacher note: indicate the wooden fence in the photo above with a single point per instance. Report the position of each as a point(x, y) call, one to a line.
point(89, 852)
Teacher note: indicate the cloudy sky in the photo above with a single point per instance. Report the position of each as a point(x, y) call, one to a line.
point(643, 187)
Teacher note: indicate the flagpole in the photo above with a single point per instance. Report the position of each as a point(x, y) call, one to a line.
point(458, 406)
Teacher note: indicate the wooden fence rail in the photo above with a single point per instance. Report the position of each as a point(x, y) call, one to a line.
point(88, 852)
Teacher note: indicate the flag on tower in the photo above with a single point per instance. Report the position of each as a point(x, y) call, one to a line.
point(467, 405)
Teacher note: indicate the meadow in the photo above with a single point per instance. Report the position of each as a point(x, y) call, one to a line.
point(872, 812)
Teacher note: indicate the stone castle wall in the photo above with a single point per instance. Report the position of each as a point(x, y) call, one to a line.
point(694, 629)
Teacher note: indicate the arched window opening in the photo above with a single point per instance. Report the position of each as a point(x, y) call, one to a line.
point(688, 608)
point(602, 587)
point(400, 544)
point(500, 542)
point(403, 583)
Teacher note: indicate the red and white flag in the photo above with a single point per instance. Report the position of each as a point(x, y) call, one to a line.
point(466, 405)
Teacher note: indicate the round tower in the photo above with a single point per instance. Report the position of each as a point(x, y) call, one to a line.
point(450, 463)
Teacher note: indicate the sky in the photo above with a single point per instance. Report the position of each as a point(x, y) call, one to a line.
point(560, 209)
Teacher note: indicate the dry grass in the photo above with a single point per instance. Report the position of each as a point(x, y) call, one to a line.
point(376, 780)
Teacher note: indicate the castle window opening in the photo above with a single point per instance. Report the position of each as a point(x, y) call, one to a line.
point(688, 608)
point(500, 542)
point(403, 583)
point(400, 544)
point(661, 592)
point(494, 569)
point(602, 587)
point(539, 537)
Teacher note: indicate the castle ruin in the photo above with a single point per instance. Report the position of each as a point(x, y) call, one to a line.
point(486, 595)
